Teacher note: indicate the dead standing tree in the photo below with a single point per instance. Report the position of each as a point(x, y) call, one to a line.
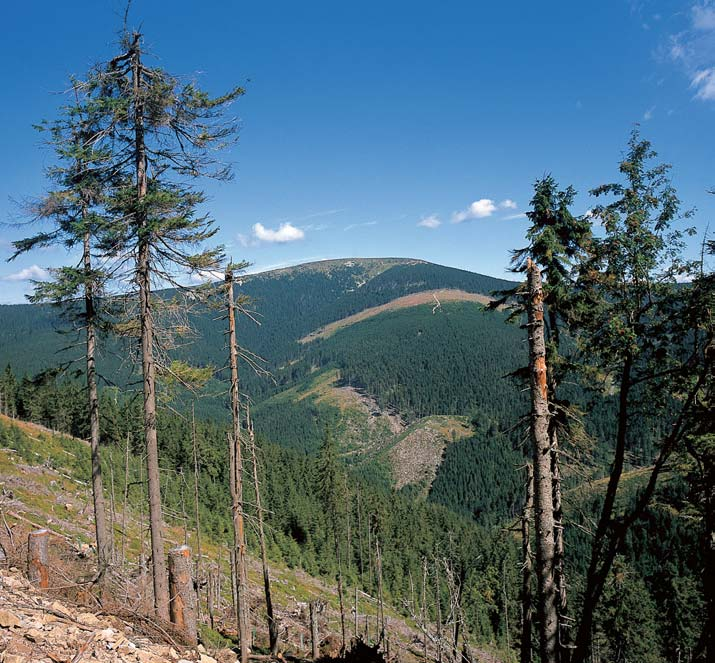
point(236, 476)
point(543, 481)
point(526, 569)
point(272, 623)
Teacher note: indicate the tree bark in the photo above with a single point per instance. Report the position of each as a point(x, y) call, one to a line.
point(38, 557)
point(183, 597)
point(100, 523)
point(272, 623)
point(237, 507)
point(543, 482)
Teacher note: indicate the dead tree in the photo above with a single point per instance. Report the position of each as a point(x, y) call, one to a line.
point(316, 607)
point(38, 557)
point(182, 605)
point(438, 610)
point(197, 515)
point(526, 569)
point(543, 482)
point(272, 623)
point(381, 602)
point(236, 477)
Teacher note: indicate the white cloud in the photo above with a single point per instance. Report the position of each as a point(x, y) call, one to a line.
point(703, 17)
point(431, 221)
point(32, 273)
point(508, 204)
point(693, 50)
point(511, 217)
point(479, 209)
point(704, 84)
point(648, 115)
point(286, 232)
point(207, 275)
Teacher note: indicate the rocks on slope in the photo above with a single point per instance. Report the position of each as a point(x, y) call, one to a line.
point(36, 629)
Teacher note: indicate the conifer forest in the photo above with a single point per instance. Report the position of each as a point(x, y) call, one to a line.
point(205, 457)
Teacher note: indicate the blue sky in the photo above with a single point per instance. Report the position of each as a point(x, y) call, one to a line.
point(386, 128)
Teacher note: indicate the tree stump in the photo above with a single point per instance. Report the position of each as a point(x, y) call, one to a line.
point(182, 603)
point(37, 558)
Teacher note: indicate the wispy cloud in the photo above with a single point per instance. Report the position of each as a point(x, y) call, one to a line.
point(703, 17)
point(431, 221)
point(32, 273)
point(508, 204)
point(648, 115)
point(510, 217)
point(704, 84)
point(360, 225)
point(479, 209)
point(693, 49)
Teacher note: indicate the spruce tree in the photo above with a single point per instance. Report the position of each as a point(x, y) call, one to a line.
point(162, 134)
point(641, 340)
point(75, 217)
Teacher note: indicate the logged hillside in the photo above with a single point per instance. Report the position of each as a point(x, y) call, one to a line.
point(42, 479)
point(289, 303)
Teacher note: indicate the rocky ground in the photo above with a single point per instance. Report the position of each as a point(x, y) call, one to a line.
point(34, 628)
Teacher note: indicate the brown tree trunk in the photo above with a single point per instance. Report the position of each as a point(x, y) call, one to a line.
point(237, 507)
point(38, 558)
point(272, 623)
point(543, 484)
point(143, 278)
point(100, 523)
point(526, 569)
point(183, 597)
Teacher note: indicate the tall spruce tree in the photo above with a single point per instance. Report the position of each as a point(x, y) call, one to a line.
point(642, 342)
point(162, 134)
point(74, 211)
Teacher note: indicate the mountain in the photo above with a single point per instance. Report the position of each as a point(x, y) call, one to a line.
point(400, 360)
point(397, 354)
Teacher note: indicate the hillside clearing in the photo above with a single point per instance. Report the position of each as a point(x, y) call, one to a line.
point(433, 297)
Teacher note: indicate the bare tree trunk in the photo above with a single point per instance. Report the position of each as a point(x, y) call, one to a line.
point(272, 623)
point(143, 278)
point(543, 486)
point(239, 534)
point(124, 506)
point(424, 608)
point(438, 609)
point(381, 604)
point(197, 515)
point(314, 629)
point(38, 558)
point(341, 597)
point(100, 523)
point(183, 597)
point(526, 569)
point(360, 540)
